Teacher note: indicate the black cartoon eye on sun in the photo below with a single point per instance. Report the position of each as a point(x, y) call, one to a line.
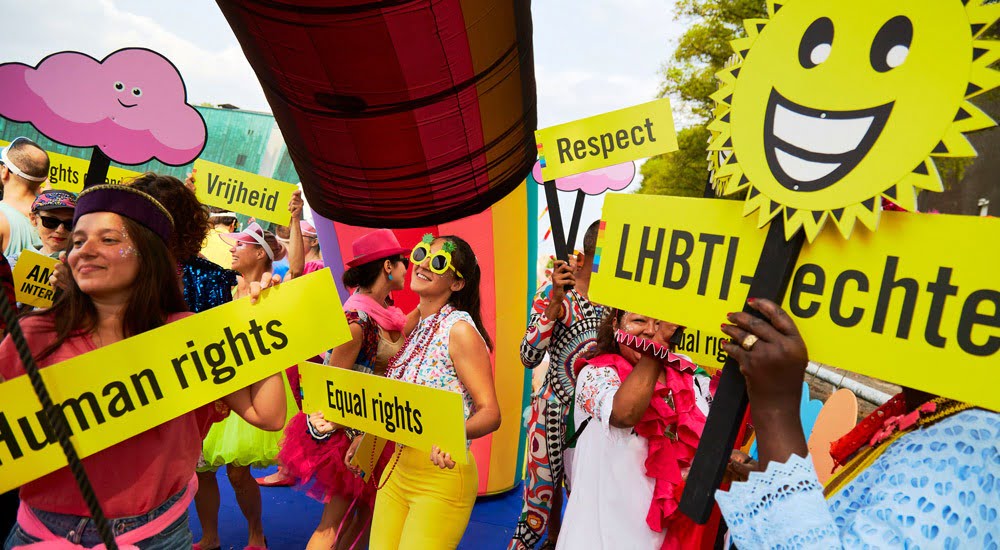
point(892, 44)
point(817, 43)
point(119, 86)
point(137, 92)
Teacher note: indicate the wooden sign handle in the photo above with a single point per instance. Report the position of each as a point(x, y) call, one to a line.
point(770, 280)
point(97, 172)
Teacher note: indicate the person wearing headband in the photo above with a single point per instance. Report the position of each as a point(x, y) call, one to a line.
point(310, 243)
point(640, 411)
point(233, 443)
point(24, 167)
point(124, 283)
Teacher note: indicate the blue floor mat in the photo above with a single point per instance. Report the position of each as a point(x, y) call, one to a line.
point(290, 517)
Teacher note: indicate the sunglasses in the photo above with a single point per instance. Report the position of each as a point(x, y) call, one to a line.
point(52, 223)
point(440, 261)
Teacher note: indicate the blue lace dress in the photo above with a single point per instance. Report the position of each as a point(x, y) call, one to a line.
point(936, 487)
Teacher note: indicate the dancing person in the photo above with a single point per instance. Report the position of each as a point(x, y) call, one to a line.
point(313, 452)
point(233, 443)
point(124, 283)
point(24, 167)
point(564, 324)
point(921, 471)
point(640, 411)
point(425, 502)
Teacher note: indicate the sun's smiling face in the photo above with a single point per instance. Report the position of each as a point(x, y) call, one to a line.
point(835, 104)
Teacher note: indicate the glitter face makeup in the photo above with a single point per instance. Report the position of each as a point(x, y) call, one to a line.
point(103, 258)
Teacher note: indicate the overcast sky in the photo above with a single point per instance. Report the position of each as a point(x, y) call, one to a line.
point(591, 56)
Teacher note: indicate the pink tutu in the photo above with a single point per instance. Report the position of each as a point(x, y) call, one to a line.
point(318, 466)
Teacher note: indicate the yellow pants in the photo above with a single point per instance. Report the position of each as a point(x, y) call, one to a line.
point(423, 507)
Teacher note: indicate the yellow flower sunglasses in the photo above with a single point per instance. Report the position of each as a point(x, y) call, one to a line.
point(440, 261)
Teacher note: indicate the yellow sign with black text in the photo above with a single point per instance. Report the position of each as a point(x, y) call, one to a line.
point(31, 278)
point(604, 140)
point(119, 391)
point(68, 173)
point(899, 304)
point(413, 415)
point(243, 192)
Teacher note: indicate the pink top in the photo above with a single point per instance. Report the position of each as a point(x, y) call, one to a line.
point(130, 478)
point(314, 265)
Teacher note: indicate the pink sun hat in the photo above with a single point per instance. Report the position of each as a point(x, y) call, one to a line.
point(253, 234)
point(307, 228)
point(380, 243)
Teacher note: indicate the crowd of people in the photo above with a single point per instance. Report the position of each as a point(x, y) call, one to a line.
point(613, 425)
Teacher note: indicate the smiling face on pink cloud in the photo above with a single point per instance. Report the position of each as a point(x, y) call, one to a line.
point(139, 84)
point(132, 105)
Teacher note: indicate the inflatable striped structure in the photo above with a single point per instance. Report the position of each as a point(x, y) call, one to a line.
point(398, 113)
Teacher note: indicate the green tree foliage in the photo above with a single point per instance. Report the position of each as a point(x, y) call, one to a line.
point(689, 78)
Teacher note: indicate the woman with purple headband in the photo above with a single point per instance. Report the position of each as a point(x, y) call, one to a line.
point(124, 283)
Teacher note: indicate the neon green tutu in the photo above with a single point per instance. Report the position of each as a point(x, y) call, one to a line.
point(234, 441)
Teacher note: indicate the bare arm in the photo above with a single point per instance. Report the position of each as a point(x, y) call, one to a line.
point(632, 398)
point(472, 363)
point(262, 404)
point(774, 368)
point(345, 355)
point(296, 253)
point(4, 233)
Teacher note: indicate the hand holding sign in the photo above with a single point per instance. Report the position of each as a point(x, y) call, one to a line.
point(771, 355)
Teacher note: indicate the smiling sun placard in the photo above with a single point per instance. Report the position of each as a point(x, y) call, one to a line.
point(831, 106)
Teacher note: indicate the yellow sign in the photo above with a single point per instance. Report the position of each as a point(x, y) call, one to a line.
point(605, 140)
point(243, 192)
point(68, 173)
point(31, 278)
point(911, 304)
point(410, 414)
point(679, 259)
point(118, 391)
point(704, 347)
point(824, 128)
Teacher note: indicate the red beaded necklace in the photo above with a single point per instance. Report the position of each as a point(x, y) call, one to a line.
point(417, 343)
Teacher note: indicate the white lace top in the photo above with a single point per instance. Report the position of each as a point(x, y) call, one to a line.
point(936, 487)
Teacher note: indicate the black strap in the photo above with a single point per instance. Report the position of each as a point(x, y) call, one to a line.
point(57, 423)
point(571, 442)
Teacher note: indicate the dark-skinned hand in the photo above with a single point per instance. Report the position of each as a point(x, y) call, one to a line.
point(776, 365)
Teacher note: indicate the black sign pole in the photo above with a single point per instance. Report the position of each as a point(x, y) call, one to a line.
point(555, 219)
point(97, 172)
point(574, 224)
point(770, 280)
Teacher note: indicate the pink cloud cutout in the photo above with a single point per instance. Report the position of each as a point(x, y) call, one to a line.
point(595, 182)
point(132, 105)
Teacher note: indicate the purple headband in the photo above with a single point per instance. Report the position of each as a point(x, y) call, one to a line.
point(128, 202)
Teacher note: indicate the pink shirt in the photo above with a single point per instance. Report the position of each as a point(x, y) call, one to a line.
point(130, 478)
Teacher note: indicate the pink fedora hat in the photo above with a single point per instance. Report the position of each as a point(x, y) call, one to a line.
point(378, 244)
